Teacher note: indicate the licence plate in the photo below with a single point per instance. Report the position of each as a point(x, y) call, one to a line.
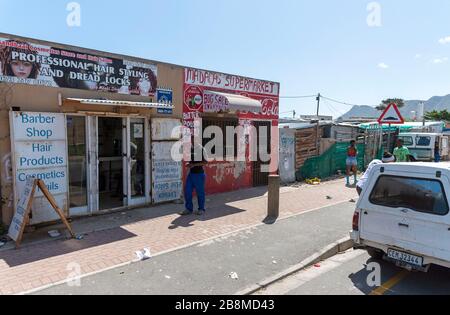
point(406, 258)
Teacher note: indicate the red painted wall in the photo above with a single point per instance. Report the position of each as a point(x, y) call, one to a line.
point(228, 176)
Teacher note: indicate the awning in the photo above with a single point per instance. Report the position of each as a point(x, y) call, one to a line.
point(218, 101)
point(120, 103)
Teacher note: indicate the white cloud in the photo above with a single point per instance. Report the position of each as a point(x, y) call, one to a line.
point(440, 60)
point(418, 56)
point(382, 65)
point(445, 40)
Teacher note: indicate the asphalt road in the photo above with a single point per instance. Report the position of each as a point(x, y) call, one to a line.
point(347, 274)
point(253, 255)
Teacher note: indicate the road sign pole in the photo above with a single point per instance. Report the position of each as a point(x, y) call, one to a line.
point(389, 139)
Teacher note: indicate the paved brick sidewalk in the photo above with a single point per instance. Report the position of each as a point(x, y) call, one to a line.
point(159, 229)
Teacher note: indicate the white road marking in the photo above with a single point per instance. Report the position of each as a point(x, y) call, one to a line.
point(297, 280)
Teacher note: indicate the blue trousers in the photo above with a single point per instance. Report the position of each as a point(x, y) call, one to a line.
point(197, 182)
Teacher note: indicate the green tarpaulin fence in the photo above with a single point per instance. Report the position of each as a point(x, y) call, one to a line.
point(329, 163)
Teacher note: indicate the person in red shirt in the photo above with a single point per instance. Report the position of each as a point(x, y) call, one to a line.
point(352, 162)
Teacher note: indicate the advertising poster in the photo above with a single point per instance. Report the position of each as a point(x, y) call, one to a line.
point(26, 63)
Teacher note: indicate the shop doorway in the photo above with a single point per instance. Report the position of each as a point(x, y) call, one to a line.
point(264, 131)
point(111, 162)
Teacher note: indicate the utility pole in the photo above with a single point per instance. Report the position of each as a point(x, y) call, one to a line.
point(318, 125)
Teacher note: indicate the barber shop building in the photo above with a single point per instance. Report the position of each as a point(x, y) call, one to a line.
point(98, 128)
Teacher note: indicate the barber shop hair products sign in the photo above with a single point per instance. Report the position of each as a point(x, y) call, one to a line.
point(40, 151)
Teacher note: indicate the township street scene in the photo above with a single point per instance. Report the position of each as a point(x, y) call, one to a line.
point(225, 148)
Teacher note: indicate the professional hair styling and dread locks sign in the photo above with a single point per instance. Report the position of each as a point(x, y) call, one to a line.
point(27, 63)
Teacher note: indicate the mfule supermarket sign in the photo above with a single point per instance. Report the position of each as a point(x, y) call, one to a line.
point(230, 82)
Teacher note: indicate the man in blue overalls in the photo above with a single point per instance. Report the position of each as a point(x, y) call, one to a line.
point(196, 180)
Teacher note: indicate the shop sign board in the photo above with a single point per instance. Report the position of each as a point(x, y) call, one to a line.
point(164, 96)
point(199, 96)
point(164, 129)
point(40, 151)
point(167, 184)
point(56, 67)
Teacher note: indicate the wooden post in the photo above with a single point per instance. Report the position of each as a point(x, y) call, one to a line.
point(53, 203)
point(273, 210)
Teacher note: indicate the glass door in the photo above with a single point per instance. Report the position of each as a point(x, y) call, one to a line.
point(78, 164)
point(137, 161)
point(111, 161)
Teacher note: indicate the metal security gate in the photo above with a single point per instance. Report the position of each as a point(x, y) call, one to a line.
point(264, 135)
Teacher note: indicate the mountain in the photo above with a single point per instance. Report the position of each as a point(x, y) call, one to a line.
point(438, 103)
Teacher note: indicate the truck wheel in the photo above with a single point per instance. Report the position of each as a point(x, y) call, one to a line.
point(375, 253)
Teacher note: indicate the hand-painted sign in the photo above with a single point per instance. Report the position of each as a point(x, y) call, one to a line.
point(167, 173)
point(199, 86)
point(22, 210)
point(391, 116)
point(164, 192)
point(214, 103)
point(40, 151)
point(27, 63)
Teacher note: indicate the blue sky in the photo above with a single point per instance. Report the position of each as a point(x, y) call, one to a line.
point(309, 46)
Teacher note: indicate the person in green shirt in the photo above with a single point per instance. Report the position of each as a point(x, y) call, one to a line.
point(401, 152)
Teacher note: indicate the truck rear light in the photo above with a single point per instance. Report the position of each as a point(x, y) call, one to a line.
point(356, 221)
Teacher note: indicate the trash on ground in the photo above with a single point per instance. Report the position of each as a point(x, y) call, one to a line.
point(317, 265)
point(234, 276)
point(329, 197)
point(274, 262)
point(168, 277)
point(79, 237)
point(2, 244)
point(143, 254)
point(313, 181)
point(352, 200)
point(54, 233)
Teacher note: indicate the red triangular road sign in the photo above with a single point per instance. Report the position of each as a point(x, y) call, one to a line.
point(391, 115)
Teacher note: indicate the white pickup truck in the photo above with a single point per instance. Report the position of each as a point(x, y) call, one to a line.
point(403, 215)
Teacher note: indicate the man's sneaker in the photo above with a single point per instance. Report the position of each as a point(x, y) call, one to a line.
point(185, 212)
point(200, 212)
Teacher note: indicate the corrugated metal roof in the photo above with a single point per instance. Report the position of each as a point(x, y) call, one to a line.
point(305, 125)
point(120, 103)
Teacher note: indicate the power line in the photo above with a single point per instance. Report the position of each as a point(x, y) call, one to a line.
point(297, 97)
point(327, 98)
point(332, 108)
point(345, 103)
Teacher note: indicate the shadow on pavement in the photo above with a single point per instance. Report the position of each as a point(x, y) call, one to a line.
point(367, 273)
point(211, 214)
point(30, 254)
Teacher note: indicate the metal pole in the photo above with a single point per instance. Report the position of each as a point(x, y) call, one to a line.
point(318, 125)
point(389, 139)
